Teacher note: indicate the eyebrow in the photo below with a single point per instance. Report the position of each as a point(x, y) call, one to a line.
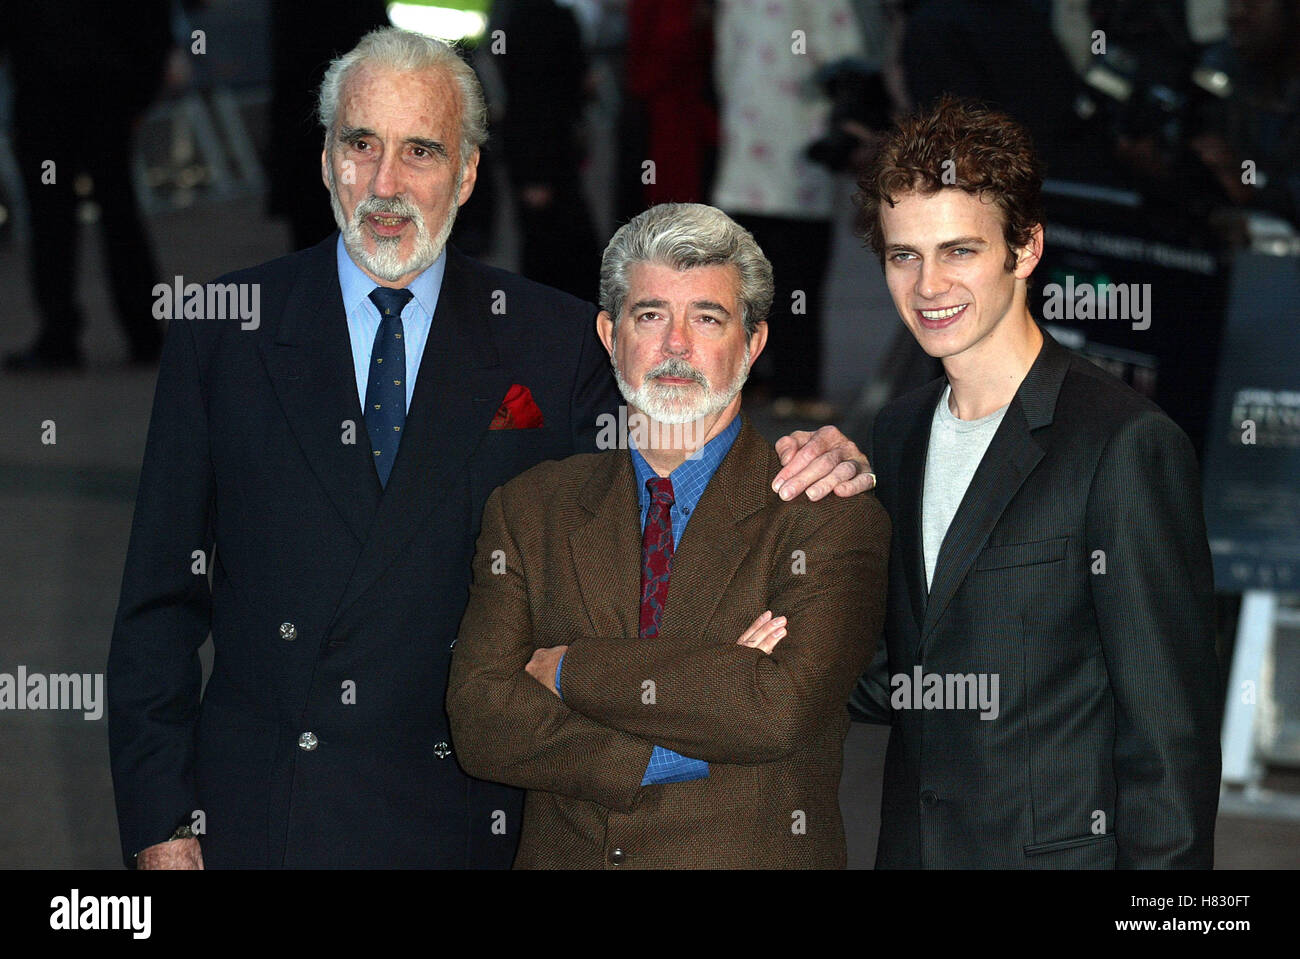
point(657, 304)
point(348, 134)
point(945, 245)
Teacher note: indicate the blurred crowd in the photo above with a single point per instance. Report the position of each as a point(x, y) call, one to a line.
point(756, 106)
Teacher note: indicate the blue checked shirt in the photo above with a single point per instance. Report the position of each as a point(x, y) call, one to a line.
point(689, 482)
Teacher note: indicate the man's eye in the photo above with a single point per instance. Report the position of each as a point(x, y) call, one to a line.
point(899, 257)
point(709, 319)
point(961, 250)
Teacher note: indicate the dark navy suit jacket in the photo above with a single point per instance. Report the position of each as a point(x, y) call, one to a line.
point(247, 451)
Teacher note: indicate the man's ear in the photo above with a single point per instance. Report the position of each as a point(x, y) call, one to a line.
point(1027, 257)
point(325, 166)
point(468, 177)
point(605, 330)
point(757, 340)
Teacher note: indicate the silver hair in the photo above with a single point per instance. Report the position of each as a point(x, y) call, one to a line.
point(684, 236)
point(408, 51)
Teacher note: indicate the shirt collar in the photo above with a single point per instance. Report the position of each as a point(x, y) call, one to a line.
point(356, 286)
point(692, 477)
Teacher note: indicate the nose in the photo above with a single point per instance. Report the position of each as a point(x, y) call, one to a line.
point(677, 338)
point(387, 178)
point(930, 281)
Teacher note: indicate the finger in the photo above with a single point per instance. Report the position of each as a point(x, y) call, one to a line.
point(753, 628)
point(763, 633)
point(841, 473)
point(859, 484)
point(819, 469)
point(811, 445)
point(785, 448)
point(769, 643)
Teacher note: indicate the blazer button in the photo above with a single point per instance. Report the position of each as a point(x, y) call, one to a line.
point(288, 632)
point(616, 856)
point(442, 750)
point(929, 797)
point(307, 742)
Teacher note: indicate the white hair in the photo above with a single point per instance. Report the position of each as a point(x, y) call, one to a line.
point(408, 51)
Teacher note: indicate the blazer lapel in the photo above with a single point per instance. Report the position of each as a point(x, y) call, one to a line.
point(908, 503)
point(710, 550)
point(310, 364)
point(1010, 458)
point(457, 392)
point(606, 551)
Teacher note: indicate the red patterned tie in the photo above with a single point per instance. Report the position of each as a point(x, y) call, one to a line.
point(656, 555)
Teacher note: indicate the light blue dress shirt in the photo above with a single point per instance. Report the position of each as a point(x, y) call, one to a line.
point(689, 483)
point(363, 317)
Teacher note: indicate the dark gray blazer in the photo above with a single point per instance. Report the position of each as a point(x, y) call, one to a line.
point(1077, 572)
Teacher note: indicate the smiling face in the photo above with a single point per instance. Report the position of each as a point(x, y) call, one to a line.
point(392, 165)
point(945, 265)
point(681, 354)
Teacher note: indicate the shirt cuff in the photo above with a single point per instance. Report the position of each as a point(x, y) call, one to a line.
point(667, 766)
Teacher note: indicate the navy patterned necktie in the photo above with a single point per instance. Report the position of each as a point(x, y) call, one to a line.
point(386, 386)
point(656, 555)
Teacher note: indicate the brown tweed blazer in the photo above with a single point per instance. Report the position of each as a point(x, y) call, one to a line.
point(565, 538)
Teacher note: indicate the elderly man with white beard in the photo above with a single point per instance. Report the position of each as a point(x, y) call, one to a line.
point(312, 487)
point(670, 697)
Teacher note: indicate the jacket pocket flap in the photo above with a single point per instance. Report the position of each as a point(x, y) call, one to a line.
point(1038, 848)
point(1023, 554)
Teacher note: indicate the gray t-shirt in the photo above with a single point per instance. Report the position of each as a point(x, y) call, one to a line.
point(956, 448)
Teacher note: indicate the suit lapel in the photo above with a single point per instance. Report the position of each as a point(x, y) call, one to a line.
point(908, 502)
point(458, 390)
point(711, 551)
point(1010, 458)
point(606, 551)
point(310, 364)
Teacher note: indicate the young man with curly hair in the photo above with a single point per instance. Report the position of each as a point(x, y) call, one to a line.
point(1049, 667)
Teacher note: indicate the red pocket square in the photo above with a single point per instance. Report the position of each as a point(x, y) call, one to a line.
point(517, 411)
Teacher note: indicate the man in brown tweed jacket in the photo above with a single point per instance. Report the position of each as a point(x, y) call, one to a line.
point(670, 698)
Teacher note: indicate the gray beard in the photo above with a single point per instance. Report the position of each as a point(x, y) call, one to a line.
point(386, 263)
point(672, 409)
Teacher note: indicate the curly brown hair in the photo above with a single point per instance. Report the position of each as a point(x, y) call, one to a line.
point(963, 144)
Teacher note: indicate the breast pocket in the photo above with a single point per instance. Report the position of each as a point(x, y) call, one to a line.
point(1023, 554)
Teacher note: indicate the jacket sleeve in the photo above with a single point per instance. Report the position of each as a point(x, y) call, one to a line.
point(726, 703)
point(1155, 616)
point(164, 612)
point(509, 728)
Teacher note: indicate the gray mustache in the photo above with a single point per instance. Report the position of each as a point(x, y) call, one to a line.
point(392, 207)
point(678, 369)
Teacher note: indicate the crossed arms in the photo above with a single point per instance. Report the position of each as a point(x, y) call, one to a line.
point(715, 699)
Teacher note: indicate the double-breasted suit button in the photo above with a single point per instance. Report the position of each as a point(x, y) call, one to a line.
point(929, 797)
point(616, 856)
point(307, 741)
point(288, 632)
point(442, 750)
